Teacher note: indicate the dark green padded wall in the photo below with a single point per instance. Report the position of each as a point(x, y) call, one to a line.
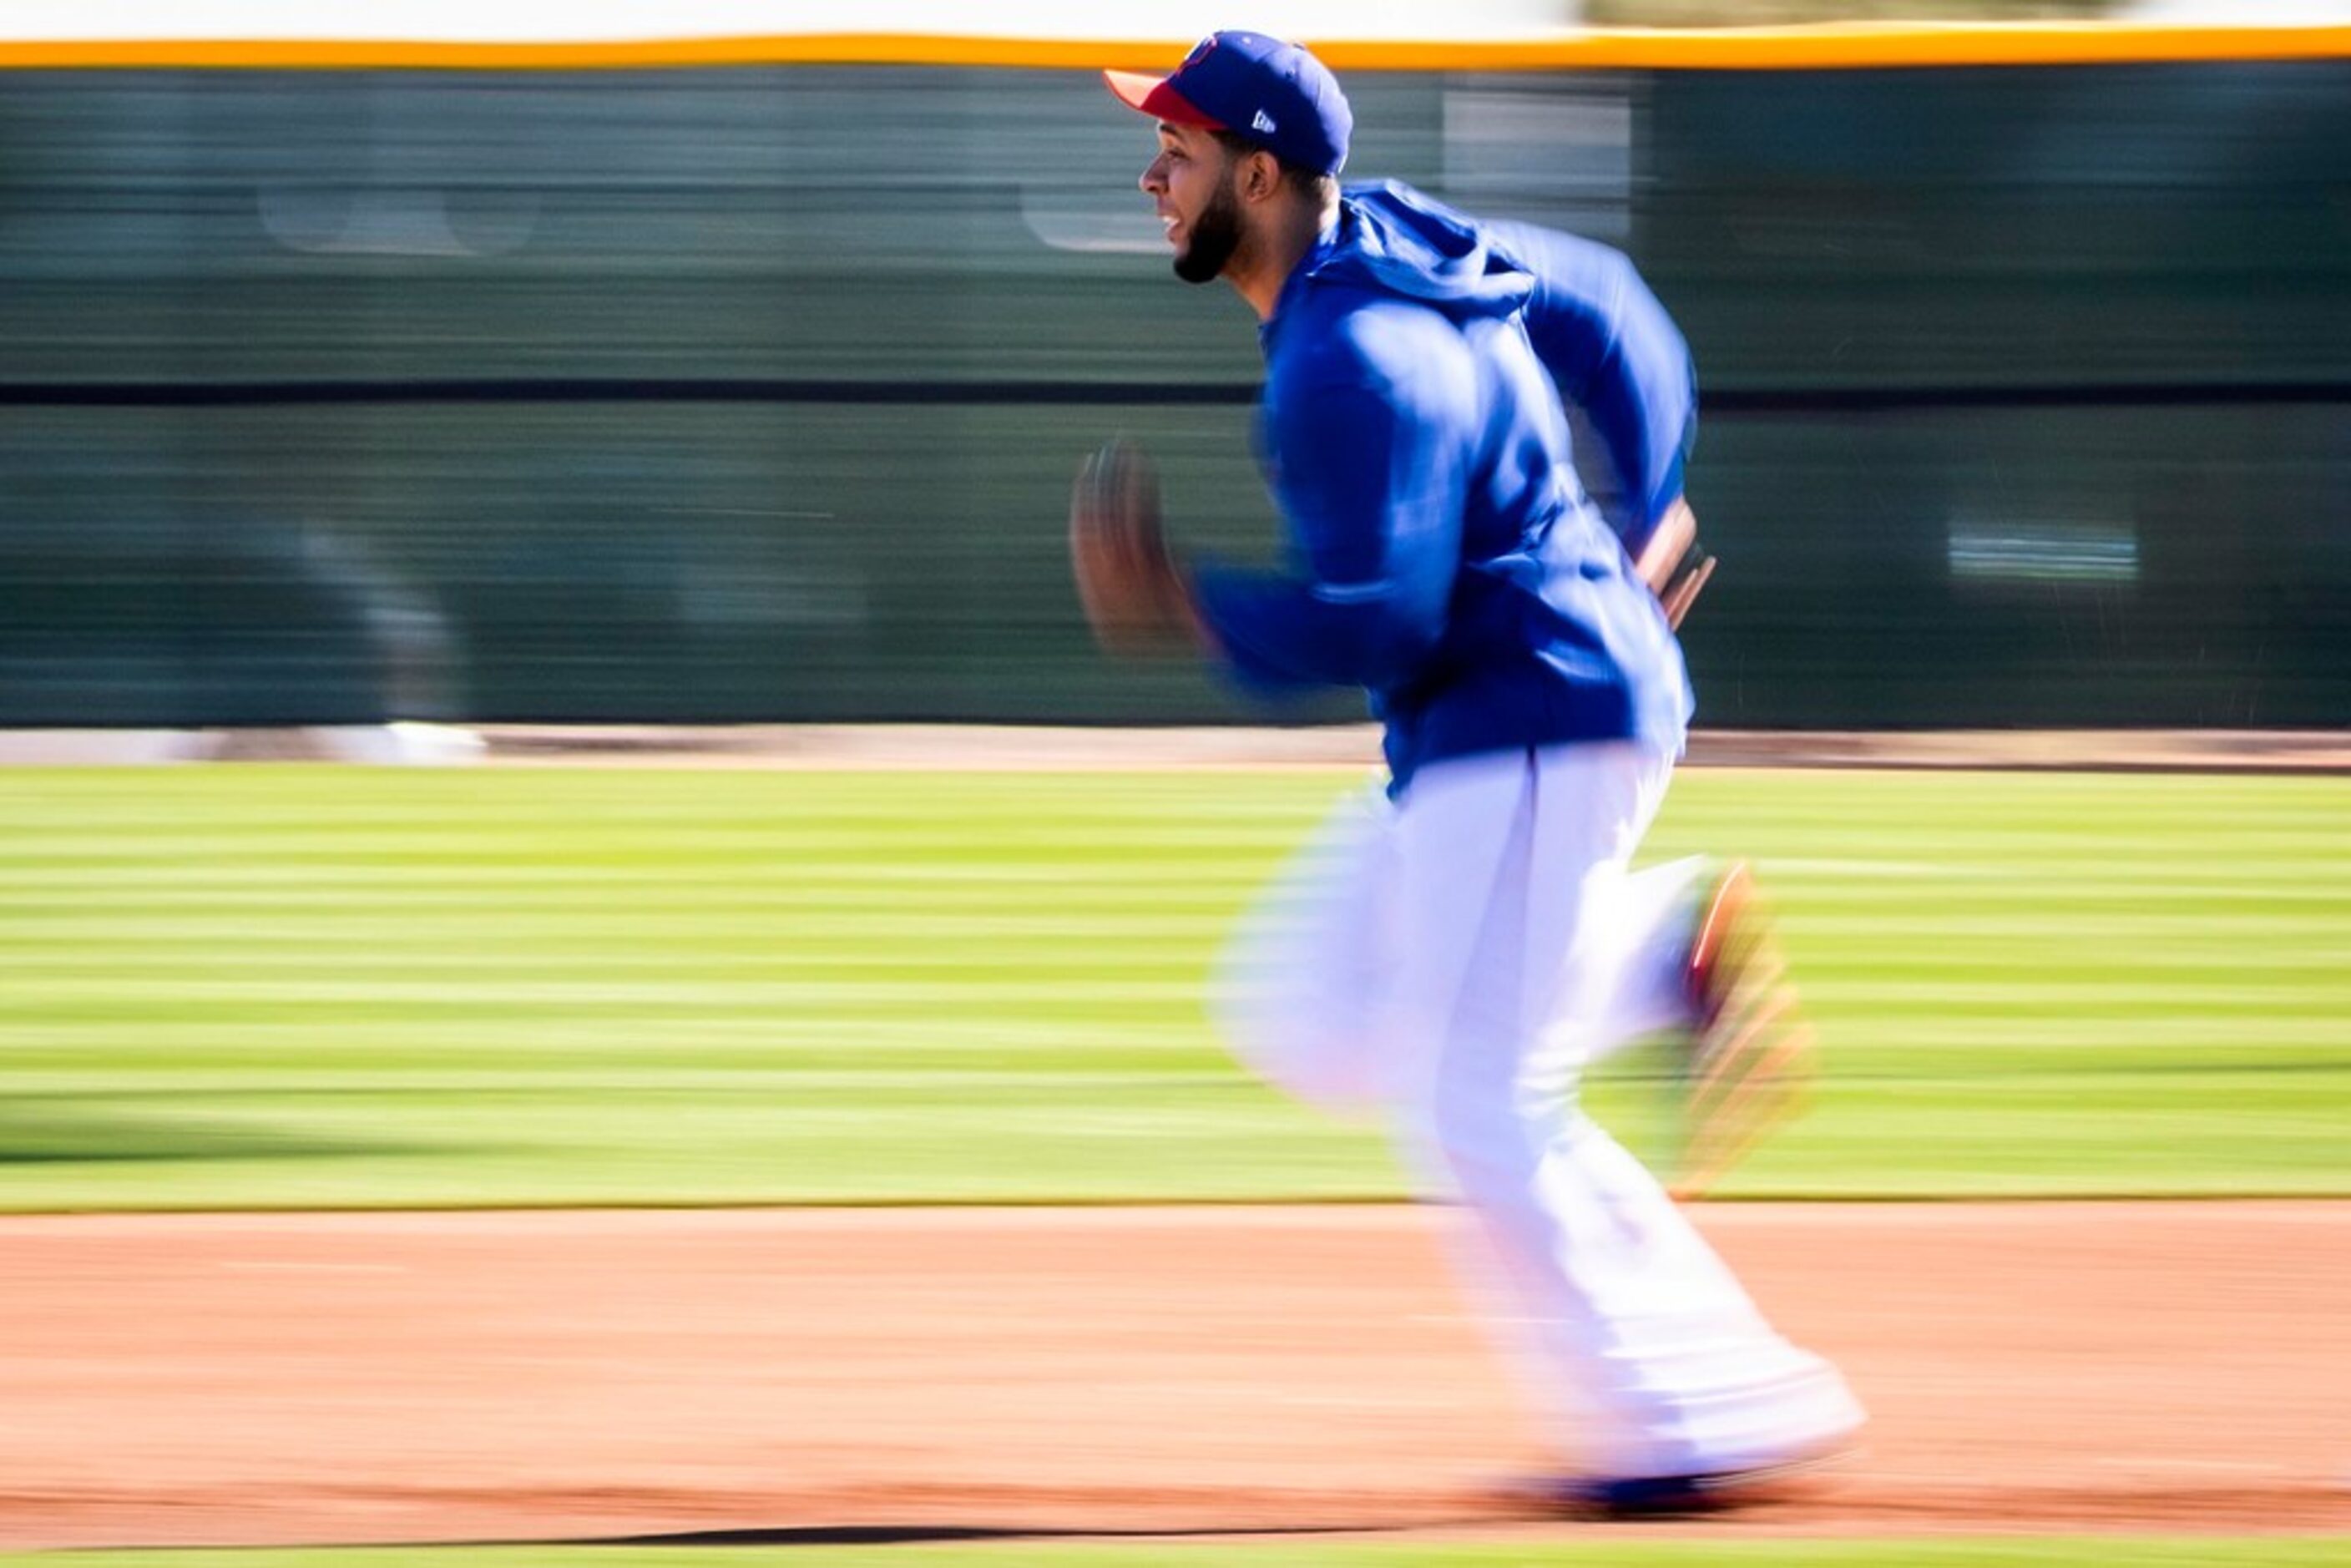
point(752, 395)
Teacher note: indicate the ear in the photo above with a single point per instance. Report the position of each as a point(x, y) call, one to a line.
point(1261, 176)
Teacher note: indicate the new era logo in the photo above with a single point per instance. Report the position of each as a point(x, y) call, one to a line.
point(1263, 124)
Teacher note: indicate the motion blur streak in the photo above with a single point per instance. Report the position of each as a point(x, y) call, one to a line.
point(751, 393)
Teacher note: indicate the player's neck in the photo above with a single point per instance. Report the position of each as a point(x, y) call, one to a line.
point(1263, 266)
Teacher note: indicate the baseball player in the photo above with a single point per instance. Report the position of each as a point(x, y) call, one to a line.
point(1454, 951)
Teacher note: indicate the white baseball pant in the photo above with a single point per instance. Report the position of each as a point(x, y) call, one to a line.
point(1453, 960)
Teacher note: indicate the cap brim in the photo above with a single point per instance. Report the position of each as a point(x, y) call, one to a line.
point(1152, 96)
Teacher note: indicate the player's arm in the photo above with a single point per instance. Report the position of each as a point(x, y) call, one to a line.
point(1369, 475)
point(1612, 351)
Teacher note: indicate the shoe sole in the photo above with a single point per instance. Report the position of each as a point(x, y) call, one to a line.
point(1670, 1497)
point(1754, 1057)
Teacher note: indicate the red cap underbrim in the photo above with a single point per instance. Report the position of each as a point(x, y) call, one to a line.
point(1152, 96)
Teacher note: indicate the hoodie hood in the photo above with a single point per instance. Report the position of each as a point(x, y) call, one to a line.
point(1392, 238)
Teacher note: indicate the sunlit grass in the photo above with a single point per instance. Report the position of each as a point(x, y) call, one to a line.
point(286, 986)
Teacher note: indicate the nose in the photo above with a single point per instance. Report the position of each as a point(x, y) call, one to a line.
point(1155, 176)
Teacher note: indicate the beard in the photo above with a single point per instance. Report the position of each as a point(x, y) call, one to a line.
point(1215, 234)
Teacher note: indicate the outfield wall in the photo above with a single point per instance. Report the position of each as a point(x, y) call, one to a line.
point(741, 380)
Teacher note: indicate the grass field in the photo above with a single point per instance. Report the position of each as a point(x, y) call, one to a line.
point(293, 987)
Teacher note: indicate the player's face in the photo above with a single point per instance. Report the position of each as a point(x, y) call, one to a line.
point(1190, 184)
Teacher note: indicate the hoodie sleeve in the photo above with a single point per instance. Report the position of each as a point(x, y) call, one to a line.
point(1615, 353)
point(1368, 456)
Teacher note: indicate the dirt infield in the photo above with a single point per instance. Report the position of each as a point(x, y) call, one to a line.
point(939, 1374)
point(885, 746)
point(1073, 747)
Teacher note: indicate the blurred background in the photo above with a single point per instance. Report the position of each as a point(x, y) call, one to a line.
point(752, 393)
point(346, 381)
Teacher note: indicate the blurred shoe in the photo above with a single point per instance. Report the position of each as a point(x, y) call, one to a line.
point(1673, 1497)
point(1750, 1056)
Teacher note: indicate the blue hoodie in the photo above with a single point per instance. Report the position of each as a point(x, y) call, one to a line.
point(1443, 554)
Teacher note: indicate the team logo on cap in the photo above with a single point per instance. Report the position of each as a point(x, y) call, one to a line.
point(1263, 124)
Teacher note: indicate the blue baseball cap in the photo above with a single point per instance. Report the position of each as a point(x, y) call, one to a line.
point(1274, 94)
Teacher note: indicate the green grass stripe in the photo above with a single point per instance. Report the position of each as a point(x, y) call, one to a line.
point(287, 986)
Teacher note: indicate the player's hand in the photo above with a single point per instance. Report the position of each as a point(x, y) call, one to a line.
point(1133, 593)
point(1674, 564)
